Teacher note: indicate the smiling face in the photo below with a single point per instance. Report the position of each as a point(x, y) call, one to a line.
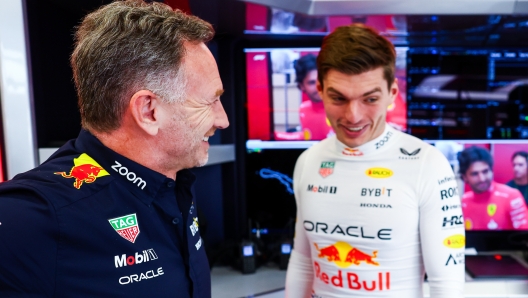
point(194, 120)
point(356, 104)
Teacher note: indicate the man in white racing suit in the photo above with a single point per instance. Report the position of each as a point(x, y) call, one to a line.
point(376, 208)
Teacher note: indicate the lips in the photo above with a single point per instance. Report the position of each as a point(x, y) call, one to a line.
point(354, 129)
point(205, 139)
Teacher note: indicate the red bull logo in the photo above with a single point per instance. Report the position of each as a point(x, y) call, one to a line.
point(85, 170)
point(352, 152)
point(353, 281)
point(343, 255)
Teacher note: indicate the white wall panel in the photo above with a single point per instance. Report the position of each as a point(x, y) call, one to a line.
point(15, 90)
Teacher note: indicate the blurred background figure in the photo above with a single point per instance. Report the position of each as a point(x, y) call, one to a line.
point(488, 205)
point(311, 112)
point(520, 173)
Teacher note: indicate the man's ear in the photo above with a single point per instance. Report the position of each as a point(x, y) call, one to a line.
point(393, 91)
point(319, 88)
point(144, 109)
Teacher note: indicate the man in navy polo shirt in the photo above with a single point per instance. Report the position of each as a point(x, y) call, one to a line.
point(111, 213)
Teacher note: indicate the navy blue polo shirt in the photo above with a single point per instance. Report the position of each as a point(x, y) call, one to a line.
point(91, 223)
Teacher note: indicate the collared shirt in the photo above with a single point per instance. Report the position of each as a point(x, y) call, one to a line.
point(90, 222)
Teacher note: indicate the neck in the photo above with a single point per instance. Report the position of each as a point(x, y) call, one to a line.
point(521, 181)
point(138, 147)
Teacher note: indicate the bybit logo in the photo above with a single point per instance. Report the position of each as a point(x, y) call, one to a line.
point(376, 192)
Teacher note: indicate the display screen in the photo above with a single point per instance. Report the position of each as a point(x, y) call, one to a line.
point(460, 93)
point(486, 173)
point(284, 105)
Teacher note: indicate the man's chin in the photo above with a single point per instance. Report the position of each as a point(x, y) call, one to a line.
point(203, 161)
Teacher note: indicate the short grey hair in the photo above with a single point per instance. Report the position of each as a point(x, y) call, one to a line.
point(127, 46)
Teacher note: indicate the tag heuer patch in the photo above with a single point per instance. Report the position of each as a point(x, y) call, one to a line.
point(327, 168)
point(126, 226)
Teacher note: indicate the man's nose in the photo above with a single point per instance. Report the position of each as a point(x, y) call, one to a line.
point(221, 120)
point(482, 177)
point(353, 112)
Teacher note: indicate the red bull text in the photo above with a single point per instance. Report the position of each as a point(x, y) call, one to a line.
point(353, 281)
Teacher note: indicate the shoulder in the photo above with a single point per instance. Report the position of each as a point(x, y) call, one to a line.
point(468, 195)
point(306, 104)
point(411, 146)
point(511, 192)
point(61, 180)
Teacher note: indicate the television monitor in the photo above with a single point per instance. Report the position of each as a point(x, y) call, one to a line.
point(467, 93)
point(282, 112)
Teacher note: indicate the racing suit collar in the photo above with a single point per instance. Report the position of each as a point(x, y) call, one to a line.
point(143, 182)
point(376, 145)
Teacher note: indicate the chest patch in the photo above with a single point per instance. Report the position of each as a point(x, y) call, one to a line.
point(126, 226)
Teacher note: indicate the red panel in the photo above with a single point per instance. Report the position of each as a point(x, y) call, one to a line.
point(334, 22)
point(179, 4)
point(502, 164)
point(256, 17)
point(380, 23)
point(258, 95)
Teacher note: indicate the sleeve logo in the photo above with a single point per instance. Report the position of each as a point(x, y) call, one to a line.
point(85, 170)
point(455, 241)
point(126, 226)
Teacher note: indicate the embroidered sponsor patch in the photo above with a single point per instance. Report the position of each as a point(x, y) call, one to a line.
point(85, 170)
point(126, 226)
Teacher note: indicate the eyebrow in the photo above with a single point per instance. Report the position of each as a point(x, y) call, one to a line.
point(219, 92)
point(377, 89)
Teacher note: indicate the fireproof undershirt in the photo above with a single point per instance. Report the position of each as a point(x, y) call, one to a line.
point(373, 219)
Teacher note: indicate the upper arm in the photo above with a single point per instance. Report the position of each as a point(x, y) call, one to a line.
point(518, 211)
point(441, 229)
point(301, 243)
point(28, 245)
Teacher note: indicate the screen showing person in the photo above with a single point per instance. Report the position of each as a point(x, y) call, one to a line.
point(311, 112)
point(489, 205)
point(520, 173)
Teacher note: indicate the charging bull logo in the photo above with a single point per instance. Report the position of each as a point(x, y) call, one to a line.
point(343, 255)
point(85, 169)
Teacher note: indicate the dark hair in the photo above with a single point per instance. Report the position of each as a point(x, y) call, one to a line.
point(127, 46)
point(303, 66)
point(520, 153)
point(355, 49)
point(473, 154)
